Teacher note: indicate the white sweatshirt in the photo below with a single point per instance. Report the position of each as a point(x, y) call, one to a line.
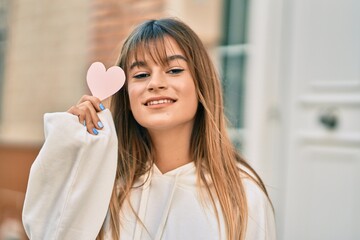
point(71, 182)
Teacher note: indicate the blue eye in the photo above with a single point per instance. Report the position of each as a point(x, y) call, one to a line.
point(141, 75)
point(175, 71)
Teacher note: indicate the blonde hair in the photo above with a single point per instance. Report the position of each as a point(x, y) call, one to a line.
point(216, 160)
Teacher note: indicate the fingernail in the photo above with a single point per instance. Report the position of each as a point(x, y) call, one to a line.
point(84, 123)
point(95, 131)
point(102, 107)
point(100, 124)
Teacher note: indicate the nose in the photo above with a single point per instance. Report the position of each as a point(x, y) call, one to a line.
point(157, 82)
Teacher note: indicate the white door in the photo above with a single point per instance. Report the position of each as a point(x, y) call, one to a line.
point(322, 193)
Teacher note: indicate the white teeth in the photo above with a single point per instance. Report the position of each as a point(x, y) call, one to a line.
point(155, 102)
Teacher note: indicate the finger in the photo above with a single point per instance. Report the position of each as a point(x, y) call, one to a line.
point(79, 113)
point(98, 105)
point(86, 114)
point(90, 125)
point(94, 118)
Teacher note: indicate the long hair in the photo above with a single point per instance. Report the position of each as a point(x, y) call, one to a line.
point(216, 160)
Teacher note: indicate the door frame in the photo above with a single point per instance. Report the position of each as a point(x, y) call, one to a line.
point(266, 95)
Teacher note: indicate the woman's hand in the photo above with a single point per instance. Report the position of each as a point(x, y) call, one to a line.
point(86, 109)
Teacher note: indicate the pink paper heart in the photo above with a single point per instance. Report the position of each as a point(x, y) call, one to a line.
point(102, 83)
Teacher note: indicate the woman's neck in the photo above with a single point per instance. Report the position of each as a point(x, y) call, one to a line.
point(172, 148)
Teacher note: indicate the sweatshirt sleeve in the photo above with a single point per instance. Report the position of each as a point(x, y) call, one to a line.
point(261, 220)
point(71, 180)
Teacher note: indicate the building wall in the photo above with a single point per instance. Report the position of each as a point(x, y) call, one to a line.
point(46, 53)
point(112, 20)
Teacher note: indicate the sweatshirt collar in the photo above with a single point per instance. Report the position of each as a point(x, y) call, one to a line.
point(183, 170)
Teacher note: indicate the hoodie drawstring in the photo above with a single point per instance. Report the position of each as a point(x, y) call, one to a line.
point(143, 206)
point(166, 212)
point(142, 209)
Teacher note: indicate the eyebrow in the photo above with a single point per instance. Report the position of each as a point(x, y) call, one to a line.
point(168, 59)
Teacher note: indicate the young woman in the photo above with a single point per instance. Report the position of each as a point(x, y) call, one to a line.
point(162, 168)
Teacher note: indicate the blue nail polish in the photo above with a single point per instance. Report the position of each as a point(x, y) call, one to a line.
point(84, 123)
point(95, 131)
point(100, 124)
point(102, 107)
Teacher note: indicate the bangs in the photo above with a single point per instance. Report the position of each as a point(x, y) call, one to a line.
point(153, 48)
point(149, 41)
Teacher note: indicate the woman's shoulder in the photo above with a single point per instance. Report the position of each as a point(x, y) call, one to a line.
point(252, 185)
point(261, 222)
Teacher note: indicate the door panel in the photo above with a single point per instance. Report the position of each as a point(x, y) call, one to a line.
point(323, 170)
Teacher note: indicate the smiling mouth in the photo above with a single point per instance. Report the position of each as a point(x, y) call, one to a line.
point(157, 102)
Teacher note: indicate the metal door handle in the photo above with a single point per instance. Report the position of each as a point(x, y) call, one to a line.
point(329, 120)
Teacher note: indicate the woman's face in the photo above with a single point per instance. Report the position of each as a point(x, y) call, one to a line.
point(162, 97)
